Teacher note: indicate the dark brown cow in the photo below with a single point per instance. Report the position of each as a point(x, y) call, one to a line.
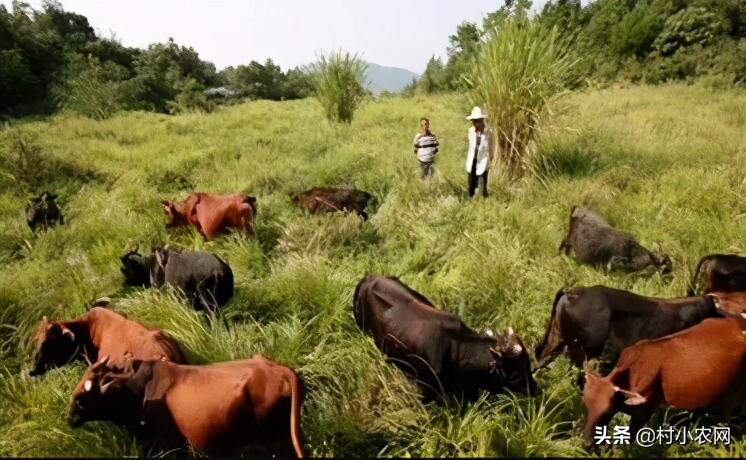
point(216, 409)
point(596, 242)
point(599, 321)
point(702, 367)
point(435, 347)
point(42, 211)
point(730, 303)
point(100, 332)
point(722, 272)
point(330, 199)
point(212, 214)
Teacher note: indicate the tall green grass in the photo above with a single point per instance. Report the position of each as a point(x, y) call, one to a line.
point(665, 163)
point(339, 84)
point(519, 76)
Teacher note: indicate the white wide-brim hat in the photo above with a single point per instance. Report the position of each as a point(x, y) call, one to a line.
point(476, 114)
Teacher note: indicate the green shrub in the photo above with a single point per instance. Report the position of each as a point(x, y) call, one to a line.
point(339, 84)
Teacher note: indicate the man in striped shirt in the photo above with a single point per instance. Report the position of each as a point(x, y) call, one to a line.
point(425, 147)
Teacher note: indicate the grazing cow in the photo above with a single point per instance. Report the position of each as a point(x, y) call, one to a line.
point(100, 332)
point(729, 303)
point(435, 347)
point(205, 279)
point(596, 242)
point(43, 211)
point(216, 409)
point(599, 321)
point(330, 199)
point(212, 214)
point(702, 367)
point(722, 272)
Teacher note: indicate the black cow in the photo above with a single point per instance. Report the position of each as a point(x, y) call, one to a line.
point(596, 242)
point(331, 199)
point(205, 279)
point(435, 347)
point(43, 211)
point(722, 273)
point(599, 321)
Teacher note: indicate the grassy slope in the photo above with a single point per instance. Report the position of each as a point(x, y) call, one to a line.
point(665, 163)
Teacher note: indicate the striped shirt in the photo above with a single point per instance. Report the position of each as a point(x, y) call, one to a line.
point(426, 146)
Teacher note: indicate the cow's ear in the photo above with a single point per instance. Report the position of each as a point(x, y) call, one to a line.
point(67, 332)
point(52, 196)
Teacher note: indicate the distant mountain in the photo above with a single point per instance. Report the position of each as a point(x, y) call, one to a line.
point(392, 79)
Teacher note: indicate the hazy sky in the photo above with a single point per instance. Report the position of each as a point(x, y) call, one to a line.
point(397, 33)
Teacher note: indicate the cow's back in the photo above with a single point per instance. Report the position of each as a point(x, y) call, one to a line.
point(720, 349)
point(123, 339)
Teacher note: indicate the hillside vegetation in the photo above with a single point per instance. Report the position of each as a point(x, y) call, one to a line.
point(666, 163)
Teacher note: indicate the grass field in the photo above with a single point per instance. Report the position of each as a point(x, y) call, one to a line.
point(666, 163)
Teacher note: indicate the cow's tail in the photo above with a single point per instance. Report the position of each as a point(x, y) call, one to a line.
point(693, 284)
point(553, 341)
point(295, 413)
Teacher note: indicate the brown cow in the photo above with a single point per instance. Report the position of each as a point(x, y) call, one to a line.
point(212, 214)
point(730, 303)
point(216, 409)
point(100, 332)
point(702, 367)
point(721, 272)
point(331, 199)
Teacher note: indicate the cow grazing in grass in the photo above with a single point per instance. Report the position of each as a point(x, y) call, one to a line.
point(596, 242)
point(330, 199)
point(599, 321)
point(700, 368)
point(100, 332)
point(42, 211)
point(212, 214)
point(435, 347)
point(205, 279)
point(721, 272)
point(220, 409)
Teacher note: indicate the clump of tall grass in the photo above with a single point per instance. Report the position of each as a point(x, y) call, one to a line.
point(522, 69)
point(339, 84)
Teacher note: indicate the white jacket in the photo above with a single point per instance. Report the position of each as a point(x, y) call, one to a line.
point(483, 155)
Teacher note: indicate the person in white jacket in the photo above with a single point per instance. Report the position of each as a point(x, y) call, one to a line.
point(479, 155)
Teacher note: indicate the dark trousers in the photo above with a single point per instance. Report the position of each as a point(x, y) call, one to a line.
point(474, 181)
point(427, 169)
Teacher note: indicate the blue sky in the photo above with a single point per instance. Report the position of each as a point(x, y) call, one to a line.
point(397, 33)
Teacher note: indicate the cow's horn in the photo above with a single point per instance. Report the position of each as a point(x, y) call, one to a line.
point(105, 387)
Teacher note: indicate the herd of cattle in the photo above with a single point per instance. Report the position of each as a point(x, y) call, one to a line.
point(687, 352)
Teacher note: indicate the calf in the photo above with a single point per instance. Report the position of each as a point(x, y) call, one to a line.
point(97, 333)
point(42, 211)
point(596, 242)
point(212, 214)
point(436, 348)
point(702, 367)
point(330, 199)
point(216, 409)
point(205, 279)
point(599, 321)
point(722, 272)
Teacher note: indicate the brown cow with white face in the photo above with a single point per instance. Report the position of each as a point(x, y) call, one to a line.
point(702, 367)
point(212, 214)
point(97, 333)
point(218, 409)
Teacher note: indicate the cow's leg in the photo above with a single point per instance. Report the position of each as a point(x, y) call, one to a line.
point(565, 246)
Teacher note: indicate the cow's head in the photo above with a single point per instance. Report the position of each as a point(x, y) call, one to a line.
point(602, 400)
point(511, 364)
point(55, 346)
point(41, 210)
point(110, 393)
point(175, 216)
point(662, 260)
point(136, 269)
point(158, 268)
